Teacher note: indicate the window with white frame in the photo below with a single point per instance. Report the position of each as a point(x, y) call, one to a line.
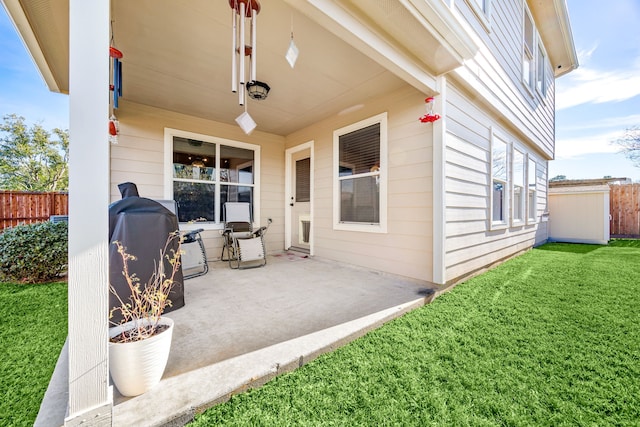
point(518, 196)
point(541, 83)
point(528, 50)
point(481, 4)
point(207, 172)
point(359, 186)
point(482, 10)
point(532, 198)
point(499, 183)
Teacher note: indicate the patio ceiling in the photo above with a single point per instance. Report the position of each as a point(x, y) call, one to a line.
point(177, 53)
point(177, 56)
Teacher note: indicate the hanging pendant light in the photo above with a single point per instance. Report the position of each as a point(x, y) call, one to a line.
point(258, 90)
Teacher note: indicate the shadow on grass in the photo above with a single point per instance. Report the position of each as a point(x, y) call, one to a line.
point(425, 292)
point(578, 248)
point(569, 247)
point(625, 243)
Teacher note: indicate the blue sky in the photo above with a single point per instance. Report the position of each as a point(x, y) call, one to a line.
point(22, 89)
point(599, 100)
point(594, 103)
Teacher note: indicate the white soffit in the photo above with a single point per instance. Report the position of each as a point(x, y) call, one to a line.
point(552, 21)
point(415, 39)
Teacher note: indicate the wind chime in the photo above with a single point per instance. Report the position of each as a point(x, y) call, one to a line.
point(430, 117)
point(116, 87)
point(244, 13)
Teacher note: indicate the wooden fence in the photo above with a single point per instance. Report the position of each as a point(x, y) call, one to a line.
point(625, 210)
point(24, 207)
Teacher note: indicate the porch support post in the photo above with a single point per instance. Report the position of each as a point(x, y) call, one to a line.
point(90, 399)
point(439, 188)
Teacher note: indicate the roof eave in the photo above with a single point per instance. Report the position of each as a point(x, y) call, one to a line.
point(552, 19)
point(361, 25)
point(30, 40)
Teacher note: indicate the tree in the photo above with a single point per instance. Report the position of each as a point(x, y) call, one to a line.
point(558, 178)
point(30, 159)
point(630, 144)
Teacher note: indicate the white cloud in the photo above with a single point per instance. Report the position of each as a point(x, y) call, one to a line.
point(584, 56)
point(620, 123)
point(569, 148)
point(590, 86)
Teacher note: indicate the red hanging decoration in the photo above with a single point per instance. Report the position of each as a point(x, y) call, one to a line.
point(114, 129)
point(249, 5)
point(115, 53)
point(430, 117)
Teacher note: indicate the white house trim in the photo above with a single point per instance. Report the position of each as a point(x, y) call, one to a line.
point(439, 188)
point(169, 133)
point(445, 26)
point(288, 191)
point(90, 396)
point(381, 227)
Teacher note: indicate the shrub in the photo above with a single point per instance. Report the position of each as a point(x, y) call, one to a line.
point(34, 253)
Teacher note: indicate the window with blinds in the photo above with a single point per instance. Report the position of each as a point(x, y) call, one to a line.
point(360, 151)
point(303, 184)
point(359, 174)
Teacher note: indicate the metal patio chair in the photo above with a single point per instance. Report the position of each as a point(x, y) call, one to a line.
point(243, 245)
point(194, 255)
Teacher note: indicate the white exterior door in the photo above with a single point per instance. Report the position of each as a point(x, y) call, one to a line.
point(300, 201)
point(299, 198)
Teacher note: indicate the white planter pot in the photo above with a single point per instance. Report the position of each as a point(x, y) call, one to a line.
point(136, 367)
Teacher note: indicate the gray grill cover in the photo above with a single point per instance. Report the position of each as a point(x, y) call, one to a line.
point(142, 226)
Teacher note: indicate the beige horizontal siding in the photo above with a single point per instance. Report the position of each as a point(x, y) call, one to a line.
point(470, 244)
point(482, 259)
point(139, 157)
point(466, 214)
point(496, 74)
point(406, 248)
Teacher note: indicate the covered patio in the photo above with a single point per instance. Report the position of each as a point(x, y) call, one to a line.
point(239, 329)
point(356, 63)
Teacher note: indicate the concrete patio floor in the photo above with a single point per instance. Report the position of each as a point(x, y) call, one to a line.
point(240, 328)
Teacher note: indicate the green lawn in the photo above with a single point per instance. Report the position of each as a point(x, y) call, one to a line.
point(551, 338)
point(33, 327)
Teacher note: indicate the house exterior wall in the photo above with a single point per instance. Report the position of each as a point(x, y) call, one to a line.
point(471, 243)
point(406, 247)
point(579, 214)
point(495, 73)
point(487, 99)
point(139, 157)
